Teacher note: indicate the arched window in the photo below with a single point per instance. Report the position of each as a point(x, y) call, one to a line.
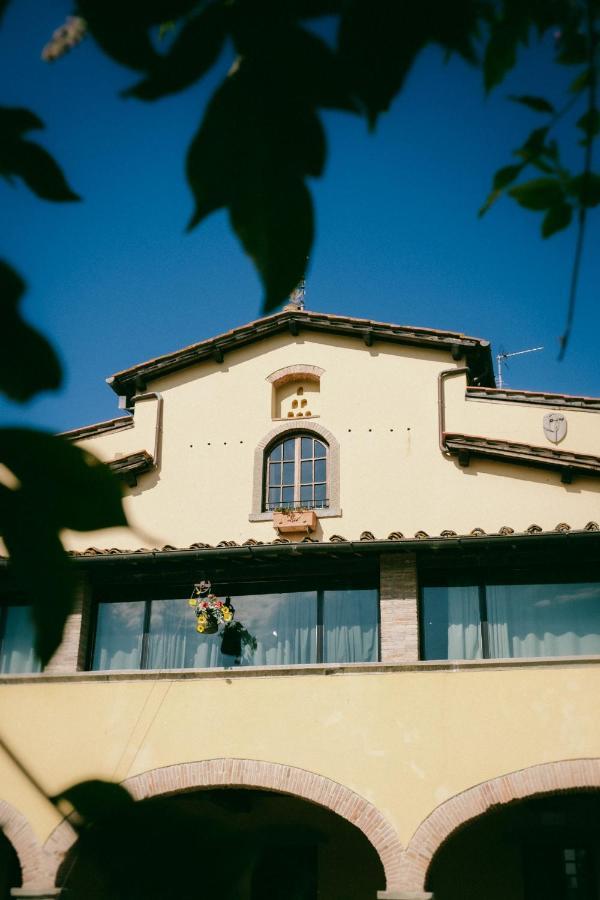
point(296, 473)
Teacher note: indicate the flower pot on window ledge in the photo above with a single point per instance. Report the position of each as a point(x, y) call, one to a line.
point(295, 521)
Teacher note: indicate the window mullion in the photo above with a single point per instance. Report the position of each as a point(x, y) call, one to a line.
point(320, 636)
point(297, 445)
point(146, 635)
point(485, 625)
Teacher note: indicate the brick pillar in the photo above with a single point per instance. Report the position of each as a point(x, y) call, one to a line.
point(70, 656)
point(398, 603)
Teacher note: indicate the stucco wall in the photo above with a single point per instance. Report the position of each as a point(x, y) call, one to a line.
point(381, 405)
point(404, 740)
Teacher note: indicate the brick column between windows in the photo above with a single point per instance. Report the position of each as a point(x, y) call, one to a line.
point(398, 604)
point(70, 655)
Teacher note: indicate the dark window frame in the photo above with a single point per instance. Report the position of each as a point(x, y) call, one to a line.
point(6, 602)
point(156, 592)
point(481, 582)
point(296, 435)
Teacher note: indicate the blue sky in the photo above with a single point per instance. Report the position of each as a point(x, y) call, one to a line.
point(115, 280)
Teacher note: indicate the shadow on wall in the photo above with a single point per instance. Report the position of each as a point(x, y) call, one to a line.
point(229, 843)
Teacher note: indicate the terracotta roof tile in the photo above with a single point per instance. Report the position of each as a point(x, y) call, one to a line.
point(536, 398)
point(478, 350)
point(467, 445)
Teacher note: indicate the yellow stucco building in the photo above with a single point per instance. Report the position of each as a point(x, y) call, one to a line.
point(410, 707)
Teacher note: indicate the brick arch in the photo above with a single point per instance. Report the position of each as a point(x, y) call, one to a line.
point(547, 778)
point(32, 860)
point(295, 373)
point(248, 773)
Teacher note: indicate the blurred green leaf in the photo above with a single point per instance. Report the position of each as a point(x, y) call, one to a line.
point(42, 570)
point(583, 81)
point(28, 363)
point(253, 149)
point(557, 218)
point(586, 188)
point(534, 143)
point(274, 221)
point(60, 486)
point(539, 193)
point(96, 800)
point(589, 123)
point(379, 41)
point(70, 487)
point(27, 160)
point(193, 52)
point(501, 53)
point(506, 176)
point(573, 47)
point(539, 104)
point(121, 27)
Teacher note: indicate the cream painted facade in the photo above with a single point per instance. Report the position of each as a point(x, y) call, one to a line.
point(407, 749)
point(380, 403)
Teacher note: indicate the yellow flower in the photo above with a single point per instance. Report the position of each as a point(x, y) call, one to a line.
point(227, 614)
point(200, 627)
point(192, 601)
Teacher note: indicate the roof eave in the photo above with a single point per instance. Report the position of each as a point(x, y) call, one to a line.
point(476, 350)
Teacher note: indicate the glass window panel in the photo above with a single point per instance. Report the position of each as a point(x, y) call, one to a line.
point(320, 449)
point(306, 451)
point(119, 631)
point(275, 454)
point(17, 655)
point(451, 625)
point(350, 626)
point(174, 643)
point(287, 495)
point(275, 473)
point(284, 626)
point(274, 495)
point(288, 473)
point(320, 492)
point(306, 472)
point(320, 470)
point(306, 493)
point(543, 619)
point(289, 449)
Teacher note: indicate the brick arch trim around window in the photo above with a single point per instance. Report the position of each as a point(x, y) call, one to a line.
point(249, 773)
point(295, 373)
point(35, 866)
point(450, 816)
point(279, 432)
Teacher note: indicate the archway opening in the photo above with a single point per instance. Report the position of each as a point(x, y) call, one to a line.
point(10, 870)
point(230, 843)
point(542, 848)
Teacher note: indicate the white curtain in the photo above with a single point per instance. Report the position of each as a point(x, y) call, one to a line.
point(543, 619)
point(350, 626)
point(284, 626)
point(119, 631)
point(174, 642)
point(464, 624)
point(17, 656)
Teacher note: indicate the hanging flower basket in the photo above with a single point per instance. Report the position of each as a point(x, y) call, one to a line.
point(210, 611)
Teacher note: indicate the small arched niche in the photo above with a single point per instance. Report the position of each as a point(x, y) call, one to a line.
point(296, 392)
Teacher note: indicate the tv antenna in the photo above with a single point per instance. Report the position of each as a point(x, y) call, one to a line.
point(503, 357)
